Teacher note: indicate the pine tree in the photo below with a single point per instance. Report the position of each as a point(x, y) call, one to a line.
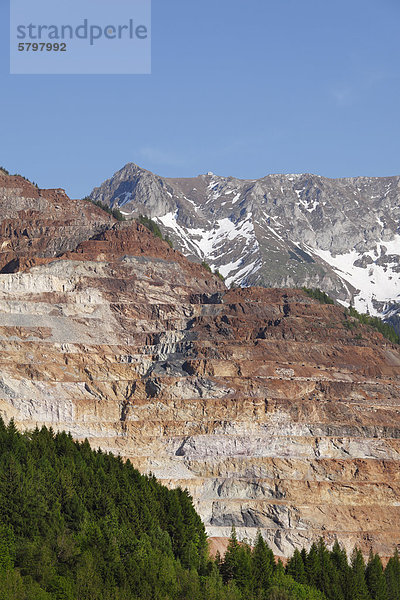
point(262, 564)
point(392, 576)
point(375, 578)
point(295, 567)
point(230, 565)
point(358, 585)
point(313, 566)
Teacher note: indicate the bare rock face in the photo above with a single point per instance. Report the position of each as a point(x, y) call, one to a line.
point(341, 235)
point(38, 223)
point(276, 412)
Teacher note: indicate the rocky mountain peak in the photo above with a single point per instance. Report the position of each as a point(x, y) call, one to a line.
point(341, 235)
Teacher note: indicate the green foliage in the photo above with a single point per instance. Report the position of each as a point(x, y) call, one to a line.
point(283, 587)
point(296, 567)
point(358, 584)
point(392, 576)
point(151, 225)
point(4, 171)
point(263, 564)
point(7, 548)
point(218, 274)
point(317, 294)
point(342, 568)
point(75, 523)
point(313, 566)
point(350, 325)
point(207, 267)
point(319, 574)
point(328, 577)
point(257, 576)
point(375, 578)
point(114, 212)
point(154, 228)
point(384, 328)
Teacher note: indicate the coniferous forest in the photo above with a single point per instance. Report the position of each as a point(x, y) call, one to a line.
point(79, 524)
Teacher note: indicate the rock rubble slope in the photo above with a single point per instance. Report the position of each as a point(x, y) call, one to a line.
point(276, 412)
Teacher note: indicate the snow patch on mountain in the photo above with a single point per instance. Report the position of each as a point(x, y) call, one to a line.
point(124, 199)
point(170, 221)
point(374, 282)
point(236, 198)
point(208, 241)
point(244, 273)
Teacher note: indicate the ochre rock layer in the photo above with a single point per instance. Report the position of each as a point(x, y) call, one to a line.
point(276, 412)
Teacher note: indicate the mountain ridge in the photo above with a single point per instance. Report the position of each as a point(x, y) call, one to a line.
point(341, 235)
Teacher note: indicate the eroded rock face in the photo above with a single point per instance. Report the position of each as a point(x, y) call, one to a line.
point(37, 223)
point(273, 412)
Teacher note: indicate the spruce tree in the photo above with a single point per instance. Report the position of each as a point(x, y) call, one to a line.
point(328, 579)
point(243, 576)
point(229, 567)
point(313, 566)
point(341, 565)
point(392, 576)
point(358, 584)
point(375, 578)
point(262, 564)
point(7, 548)
point(296, 568)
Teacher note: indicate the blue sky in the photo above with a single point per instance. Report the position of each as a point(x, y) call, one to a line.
point(238, 87)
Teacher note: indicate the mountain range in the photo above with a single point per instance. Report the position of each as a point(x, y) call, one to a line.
point(339, 235)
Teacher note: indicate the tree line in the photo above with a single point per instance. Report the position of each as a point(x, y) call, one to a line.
point(317, 574)
point(82, 524)
point(387, 330)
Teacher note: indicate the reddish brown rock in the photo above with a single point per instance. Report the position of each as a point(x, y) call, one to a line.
point(273, 411)
point(37, 223)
